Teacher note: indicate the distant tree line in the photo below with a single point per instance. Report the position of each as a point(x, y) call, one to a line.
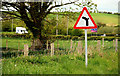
point(109, 12)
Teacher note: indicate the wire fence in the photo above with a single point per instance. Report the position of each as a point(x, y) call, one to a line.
point(58, 47)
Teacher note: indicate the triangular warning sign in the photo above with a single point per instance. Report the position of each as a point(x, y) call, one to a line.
point(85, 21)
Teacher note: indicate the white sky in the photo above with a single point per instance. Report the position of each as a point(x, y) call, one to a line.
point(107, 5)
point(102, 5)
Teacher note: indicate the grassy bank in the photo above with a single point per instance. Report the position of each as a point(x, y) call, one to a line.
point(65, 64)
point(103, 62)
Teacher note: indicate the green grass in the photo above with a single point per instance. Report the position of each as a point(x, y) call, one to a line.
point(98, 18)
point(65, 64)
point(63, 44)
point(105, 18)
point(13, 43)
point(62, 64)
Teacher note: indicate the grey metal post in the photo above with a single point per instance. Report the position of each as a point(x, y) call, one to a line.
point(86, 47)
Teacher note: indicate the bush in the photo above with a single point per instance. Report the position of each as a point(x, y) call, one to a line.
point(109, 12)
point(74, 37)
point(6, 26)
point(106, 29)
point(100, 25)
point(12, 35)
point(109, 38)
point(67, 37)
point(77, 32)
point(104, 12)
point(117, 13)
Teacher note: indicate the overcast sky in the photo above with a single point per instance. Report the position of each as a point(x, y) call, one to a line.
point(107, 5)
point(102, 5)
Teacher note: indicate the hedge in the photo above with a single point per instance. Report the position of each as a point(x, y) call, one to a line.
point(63, 37)
point(16, 35)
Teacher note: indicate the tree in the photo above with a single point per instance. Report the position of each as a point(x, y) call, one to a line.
point(33, 14)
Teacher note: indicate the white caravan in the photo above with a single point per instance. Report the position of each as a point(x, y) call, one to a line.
point(21, 30)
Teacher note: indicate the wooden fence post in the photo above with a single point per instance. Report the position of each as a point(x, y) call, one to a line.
point(116, 45)
point(33, 45)
point(103, 42)
point(74, 47)
point(71, 46)
point(63, 43)
point(98, 45)
point(79, 47)
point(26, 50)
point(81, 51)
point(52, 49)
point(6, 44)
point(113, 43)
point(47, 45)
point(57, 45)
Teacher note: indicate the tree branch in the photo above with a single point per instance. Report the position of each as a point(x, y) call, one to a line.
point(11, 13)
point(60, 5)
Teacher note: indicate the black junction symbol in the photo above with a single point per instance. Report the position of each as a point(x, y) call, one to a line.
point(86, 19)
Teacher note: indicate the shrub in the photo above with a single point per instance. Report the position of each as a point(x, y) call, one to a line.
point(77, 32)
point(109, 12)
point(109, 38)
point(12, 35)
point(106, 29)
point(117, 13)
point(67, 37)
point(74, 37)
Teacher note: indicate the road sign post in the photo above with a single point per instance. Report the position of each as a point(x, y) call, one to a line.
point(86, 47)
point(85, 21)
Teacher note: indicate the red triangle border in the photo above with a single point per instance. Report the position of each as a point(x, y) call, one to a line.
point(87, 27)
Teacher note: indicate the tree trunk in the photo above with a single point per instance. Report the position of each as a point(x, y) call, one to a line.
point(39, 41)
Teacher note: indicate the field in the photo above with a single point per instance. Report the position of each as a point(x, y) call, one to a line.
point(110, 19)
point(105, 18)
point(104, 61)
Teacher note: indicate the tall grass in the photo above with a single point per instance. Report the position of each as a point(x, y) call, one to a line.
point(65, 64)
point(103, 62)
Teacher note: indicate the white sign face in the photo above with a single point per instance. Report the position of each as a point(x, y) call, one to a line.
point(84, 19)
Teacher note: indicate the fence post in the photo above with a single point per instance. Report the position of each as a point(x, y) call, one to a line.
point(52, 49)
point(33, 45)
point(47, 45)
point(71, 46)
point(6, 44)
point(26, 50)
point(103, 42)
point(74, 48)
point(63, 45)
point(113, 43)
point(98, 45)
point(81, 51)
point(116, 45)
point(78, 47)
